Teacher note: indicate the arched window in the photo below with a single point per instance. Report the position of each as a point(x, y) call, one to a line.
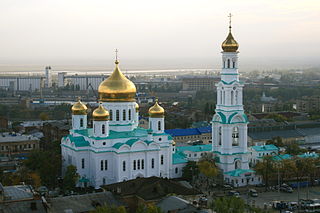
point(124, 115)
point(81, 122)
point(103, 128)
point(236, 97)
point(176, 170)
point(220, 97)
point(235, 136)
point(106, 165)
point(220, 135)
point(142, 164)
point(161, 159)
point(117, 115)
point(129, 112)
point(233, 64)
point(150, 124)
point(82, 163)
point(224, 97)
point(159, 125)
point(94, 128)
point(123, 166)
point(152, 163)
point(237, 164)
point(101, 165)
point(110, 113)
point(134, 165)
point(224, 63)
point(138, 164)
point(232, 97)
point(228, 63)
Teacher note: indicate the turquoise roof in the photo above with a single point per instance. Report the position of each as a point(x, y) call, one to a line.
point(309, 155)
point(197, 148)
point(178, 158)
point(238, 172)
point(282, 157)
point(269, 147)
point(129, 143)
point(78, 141)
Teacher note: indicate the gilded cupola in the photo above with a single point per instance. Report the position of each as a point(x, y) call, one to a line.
point(230, 44)
point(79, 108)
point(117, 88)
point(100, 114)
point(137, 107)
point(156, 111)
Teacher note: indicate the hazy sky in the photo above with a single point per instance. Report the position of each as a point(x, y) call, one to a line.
point(166, 32)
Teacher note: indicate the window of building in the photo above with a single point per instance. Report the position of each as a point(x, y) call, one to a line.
point(110, 113)
point(101, 165)
point(224, 97)
point(161, 159)
point(117, 115)
point(138, 164)
point(228, 61)
point(134, 165)
point(159, 125)
point(220, 135)
point(233, 64)
point(103, 129)
point(176, 170)
point(195, 155)
point(124, 115)
point(81, 122)
point(235, 136)
point(142, 164)
point(123, 166)
point(82, 163)
point(232, 97)
point(106, 165)
point(152, 163)
point(129, 112)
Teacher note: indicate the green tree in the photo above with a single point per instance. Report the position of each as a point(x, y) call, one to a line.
point(148, 209)
point(266, 168)
point(190, 170)
point(228, 205)
point(44, 116)
point(208, 168)
point(110, 209)
point(294, 149)
point(70, 178)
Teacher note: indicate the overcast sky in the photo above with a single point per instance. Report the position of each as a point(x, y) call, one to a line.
point(148, 32)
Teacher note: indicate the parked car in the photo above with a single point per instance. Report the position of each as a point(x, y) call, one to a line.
point(234, 193)
point(286, 189)
point(253, 193)
point(226, 186)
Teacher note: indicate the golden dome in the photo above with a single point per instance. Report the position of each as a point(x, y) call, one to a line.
point(79, 108)
point(137, 107)
point(100, 114)
point(173, 143)
point(230, 44)
point(156, 111)
point(117, 87)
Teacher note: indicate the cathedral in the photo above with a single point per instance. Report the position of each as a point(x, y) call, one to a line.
point(116, 149)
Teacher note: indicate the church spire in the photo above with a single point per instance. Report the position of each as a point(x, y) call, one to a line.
point(230, 44)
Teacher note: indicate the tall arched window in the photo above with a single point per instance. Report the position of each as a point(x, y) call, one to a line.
point(219, 135)
point(138, 164)
point(228, 63)
point(106, 165)
point(117, 115)
point(224, 63)
point(235, 136)
point(224, 97)
point(161, 159)
point(233, 64)
point(81, 122)
point(124, 115)
point(142, 164)
point(110, 113)
point(101, 165)
point(159, 125)
point(123, 166)
point(134, 165)
point(232, 97)
point(152, 163)
point(103, 128)
point(94, 128)
point(220, 97)
point(237, 164)
point(236, 97)
point(82, 163)
point(129, 114)
point(150, 124)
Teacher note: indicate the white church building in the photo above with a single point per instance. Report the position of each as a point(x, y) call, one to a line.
point(116, 149)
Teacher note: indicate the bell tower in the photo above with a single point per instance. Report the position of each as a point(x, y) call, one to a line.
point(229, 124)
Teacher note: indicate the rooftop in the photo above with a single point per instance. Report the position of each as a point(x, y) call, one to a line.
point(190, 131)
point(239, 172)
point(8, 137)
point(268, 147)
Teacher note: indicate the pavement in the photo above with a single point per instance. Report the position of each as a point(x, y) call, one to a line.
point(266, 197)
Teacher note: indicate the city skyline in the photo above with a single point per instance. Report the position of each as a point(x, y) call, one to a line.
point(179, 34)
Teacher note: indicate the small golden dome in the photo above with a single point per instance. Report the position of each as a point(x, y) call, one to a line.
point(79, 108)
point(173, 143)
point(117, 87)
point(137, 107)
point(156, 111)
point(100, 114)
point(230, 44)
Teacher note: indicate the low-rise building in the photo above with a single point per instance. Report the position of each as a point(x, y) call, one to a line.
point(256, 153)
point(191, 135)
point(15, 143)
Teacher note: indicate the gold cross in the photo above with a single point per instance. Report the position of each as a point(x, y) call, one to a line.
point(116, 54)
point(230, 15)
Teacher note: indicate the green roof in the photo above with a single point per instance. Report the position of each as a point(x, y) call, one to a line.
point(129, 143)
point(178, 158)
point(78, 141)
point(269, 147)
point(282, 157)
point(309, 155)
point(238, 172)
point(196, 148)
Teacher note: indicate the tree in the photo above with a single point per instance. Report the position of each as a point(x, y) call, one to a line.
point(190, 170)
point(294, 149)
point(44, 116)
point(70, 178)
point(228, 205)
point(266, 168)
point(208, 168)
point(110, 209)
point(148, 209)
point(277, 141)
